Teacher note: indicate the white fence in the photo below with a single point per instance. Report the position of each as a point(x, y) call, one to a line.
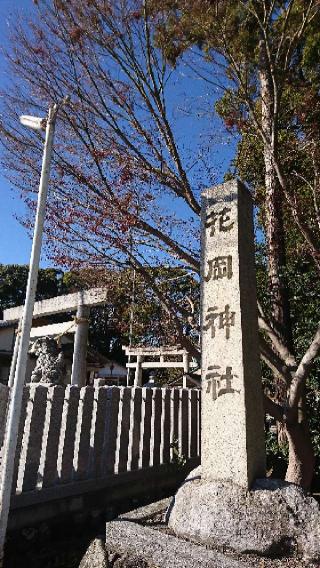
point(70, 434)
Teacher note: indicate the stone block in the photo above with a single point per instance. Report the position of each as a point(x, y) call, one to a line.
point(146, 427)
point(166, 426)
point(143, 547)
point(135, 429)
point(95, 556)
point(50, 444)
point(148, 511)
point(68, 433)
point(124, 430)
point(156, 427)
point(110, 431)
point(83, 434)
point(274, 518)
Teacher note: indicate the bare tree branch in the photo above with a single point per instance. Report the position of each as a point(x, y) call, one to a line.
point(303, 369)
point(275, 363)
point(286, 356)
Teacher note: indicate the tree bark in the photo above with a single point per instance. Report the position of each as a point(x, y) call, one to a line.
point(274, 219)
point(301, 455)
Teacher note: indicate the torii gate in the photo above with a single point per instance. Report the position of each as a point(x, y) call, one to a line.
point(79, 302)
point(164, 360)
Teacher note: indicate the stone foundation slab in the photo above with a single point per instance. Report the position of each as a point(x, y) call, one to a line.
point(130, 544)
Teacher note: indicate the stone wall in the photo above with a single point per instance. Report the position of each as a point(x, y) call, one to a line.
point(69, 436)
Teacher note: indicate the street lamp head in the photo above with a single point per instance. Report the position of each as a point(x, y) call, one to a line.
point(33, 122)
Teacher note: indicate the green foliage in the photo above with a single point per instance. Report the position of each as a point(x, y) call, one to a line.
point(13, 283)
point(137, 317)
point(178, 459)
point(110, 324)
point(182, 24)
point(52, 282)
point(277, 456)
point(305, 309)
point(152, 323)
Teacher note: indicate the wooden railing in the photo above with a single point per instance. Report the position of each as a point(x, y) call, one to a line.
point(71, 434)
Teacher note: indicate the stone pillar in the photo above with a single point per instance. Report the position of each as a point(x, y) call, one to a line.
point(232, 408)
point(138, 372)
point(185, 368)
point(79, 363)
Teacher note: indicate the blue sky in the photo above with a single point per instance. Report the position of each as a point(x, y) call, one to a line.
point(15, 244)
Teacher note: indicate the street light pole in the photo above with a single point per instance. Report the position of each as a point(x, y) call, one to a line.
point(14, 412)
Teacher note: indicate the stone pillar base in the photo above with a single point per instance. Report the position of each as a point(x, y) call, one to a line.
point(274, 518)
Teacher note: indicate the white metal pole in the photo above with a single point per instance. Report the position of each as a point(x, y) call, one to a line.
point(14, 356)
point(17, 389)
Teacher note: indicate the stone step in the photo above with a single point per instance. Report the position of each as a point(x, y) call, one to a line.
point(136, 545)
point(149, 511)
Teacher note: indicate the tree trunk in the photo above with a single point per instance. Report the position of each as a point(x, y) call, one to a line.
point(274, 220)
point(301, 455)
